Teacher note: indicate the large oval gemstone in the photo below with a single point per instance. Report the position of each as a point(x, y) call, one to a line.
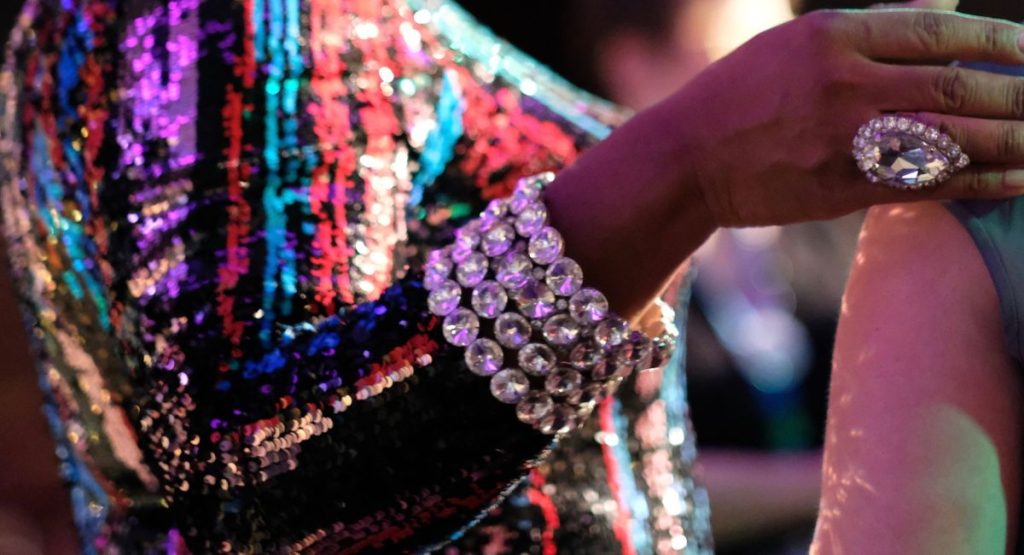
point(905, 159)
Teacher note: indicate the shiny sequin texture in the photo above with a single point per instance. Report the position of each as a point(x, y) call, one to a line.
point(218, 212)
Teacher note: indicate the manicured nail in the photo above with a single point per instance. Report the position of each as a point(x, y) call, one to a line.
point(1015, 180)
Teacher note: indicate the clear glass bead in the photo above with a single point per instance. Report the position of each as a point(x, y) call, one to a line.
point(489, 299)
point(461, 327)
point(642, 353)
point(561, 330)
point(444, 298)
point(497, 240)
point(563, 381)
point(509, 386)
point(513, 270)
point(468, 237)
point(585, 355)
point(531, 219)
point(546, 246)
point(537, 359)
point(587, 396)
point(460, 254)
point(437, 272)
point(588, 306)
point(620, 362)
point(611, 332)
point(560, 420)
point(535, 299)
point(534, 407)
point(512, 330)
point(565, 276)
point(484, 357)
point(472, 270)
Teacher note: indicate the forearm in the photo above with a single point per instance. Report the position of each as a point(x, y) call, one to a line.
point(630, 210)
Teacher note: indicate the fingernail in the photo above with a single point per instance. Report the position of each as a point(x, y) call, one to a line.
point(1015, 180)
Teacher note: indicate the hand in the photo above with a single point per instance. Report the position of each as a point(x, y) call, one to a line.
point(768, 129)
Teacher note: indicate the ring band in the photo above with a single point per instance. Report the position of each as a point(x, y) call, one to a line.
point(904, 153)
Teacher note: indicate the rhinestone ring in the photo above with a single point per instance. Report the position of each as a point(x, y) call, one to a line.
point(904, 153)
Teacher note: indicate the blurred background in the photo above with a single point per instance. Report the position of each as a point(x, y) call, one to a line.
point(761, 322)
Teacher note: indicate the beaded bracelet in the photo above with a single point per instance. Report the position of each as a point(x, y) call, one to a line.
point(560, 350)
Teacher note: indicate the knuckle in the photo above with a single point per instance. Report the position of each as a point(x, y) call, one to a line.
point(1015, 100)
point(975, 184)
point(822, 25)
point(991, 38)
point(953, 90)
point(1010, 142)
point(930, 29)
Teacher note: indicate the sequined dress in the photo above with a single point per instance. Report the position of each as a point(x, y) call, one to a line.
point(216, 212)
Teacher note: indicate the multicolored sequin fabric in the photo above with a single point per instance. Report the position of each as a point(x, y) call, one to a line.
point(216, 211)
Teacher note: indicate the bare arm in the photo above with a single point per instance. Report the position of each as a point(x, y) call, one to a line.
point(922, 449)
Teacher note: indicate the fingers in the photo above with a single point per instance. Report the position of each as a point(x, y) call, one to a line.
point(921, 5)
point(950, 90)
point(927, 36)
point(981, 182)
point(985, 141)
point(973, 183)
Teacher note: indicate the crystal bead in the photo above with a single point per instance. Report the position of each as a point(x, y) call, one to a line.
point(889, 122)
point(642, 353)
point(561, 330)
point(535, 299)
point(918, 128)
point(534, 407)
point(444, 298)
point(560, 420)
point(587, 396)
point(461, 327)
point(531, 219)
point(513, 271)
point(497, 240)
point(489, 299)
point(611, 332)
point(602, 369)
point(620, 363)
point(537, 359)
point(903, 124)
point(565, 276)
point(906, 159)
point(468, 237)
point(962, 162)
point(484, 357)
point(460, 254)
point(530, 187)
point(931, 135)
point(509, 386)
point(563, 381)
point(585, 355)
point(522, 198)
point(546, 246)
point(512, 330)
point(472, 270)
point(588, 306)
point(497, 208)
point(437, 272)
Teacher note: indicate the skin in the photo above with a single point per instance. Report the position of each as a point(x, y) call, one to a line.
point(922, 451)
point(783, 155)
point(715, 155)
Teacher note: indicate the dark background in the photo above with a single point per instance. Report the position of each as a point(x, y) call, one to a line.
point(558, 41)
